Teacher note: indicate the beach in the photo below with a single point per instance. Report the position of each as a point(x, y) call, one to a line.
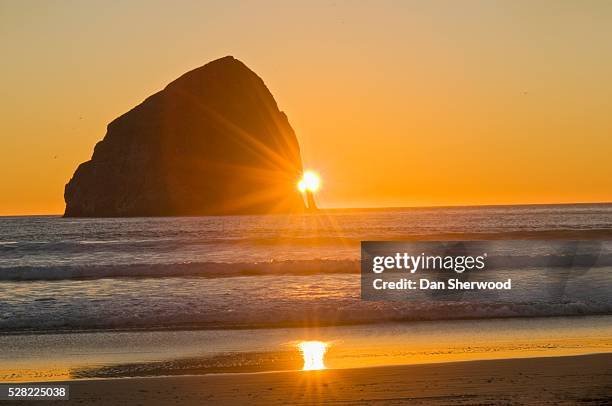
point(64, 356)
point(550, 380)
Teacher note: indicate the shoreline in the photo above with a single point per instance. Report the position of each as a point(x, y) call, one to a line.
point(292, 371)
point(59, 357)
point(542, 380)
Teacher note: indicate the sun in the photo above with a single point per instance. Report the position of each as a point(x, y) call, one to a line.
point(310, 182)
point(313, 353)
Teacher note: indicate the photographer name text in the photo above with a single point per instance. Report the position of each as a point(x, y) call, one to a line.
point(413, 263)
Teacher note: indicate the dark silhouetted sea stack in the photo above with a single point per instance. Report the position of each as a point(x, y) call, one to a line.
point(212, 142)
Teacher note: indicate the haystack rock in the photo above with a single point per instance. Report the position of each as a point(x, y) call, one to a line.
point(212, 142)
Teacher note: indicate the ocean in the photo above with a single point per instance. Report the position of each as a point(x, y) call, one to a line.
point(243, 272)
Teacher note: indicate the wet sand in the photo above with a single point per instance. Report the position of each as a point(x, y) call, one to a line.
point(583, 379)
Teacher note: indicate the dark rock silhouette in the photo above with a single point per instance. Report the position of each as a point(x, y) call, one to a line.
point(212, 142)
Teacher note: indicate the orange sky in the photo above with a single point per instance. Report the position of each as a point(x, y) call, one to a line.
point(396, 103)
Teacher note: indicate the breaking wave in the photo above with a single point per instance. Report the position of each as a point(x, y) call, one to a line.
point(198, 269)
point(274, 267)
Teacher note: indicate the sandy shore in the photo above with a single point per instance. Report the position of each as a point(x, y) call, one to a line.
point(555, 380)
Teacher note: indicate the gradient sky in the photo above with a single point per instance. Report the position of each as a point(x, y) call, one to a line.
point(396, 103)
